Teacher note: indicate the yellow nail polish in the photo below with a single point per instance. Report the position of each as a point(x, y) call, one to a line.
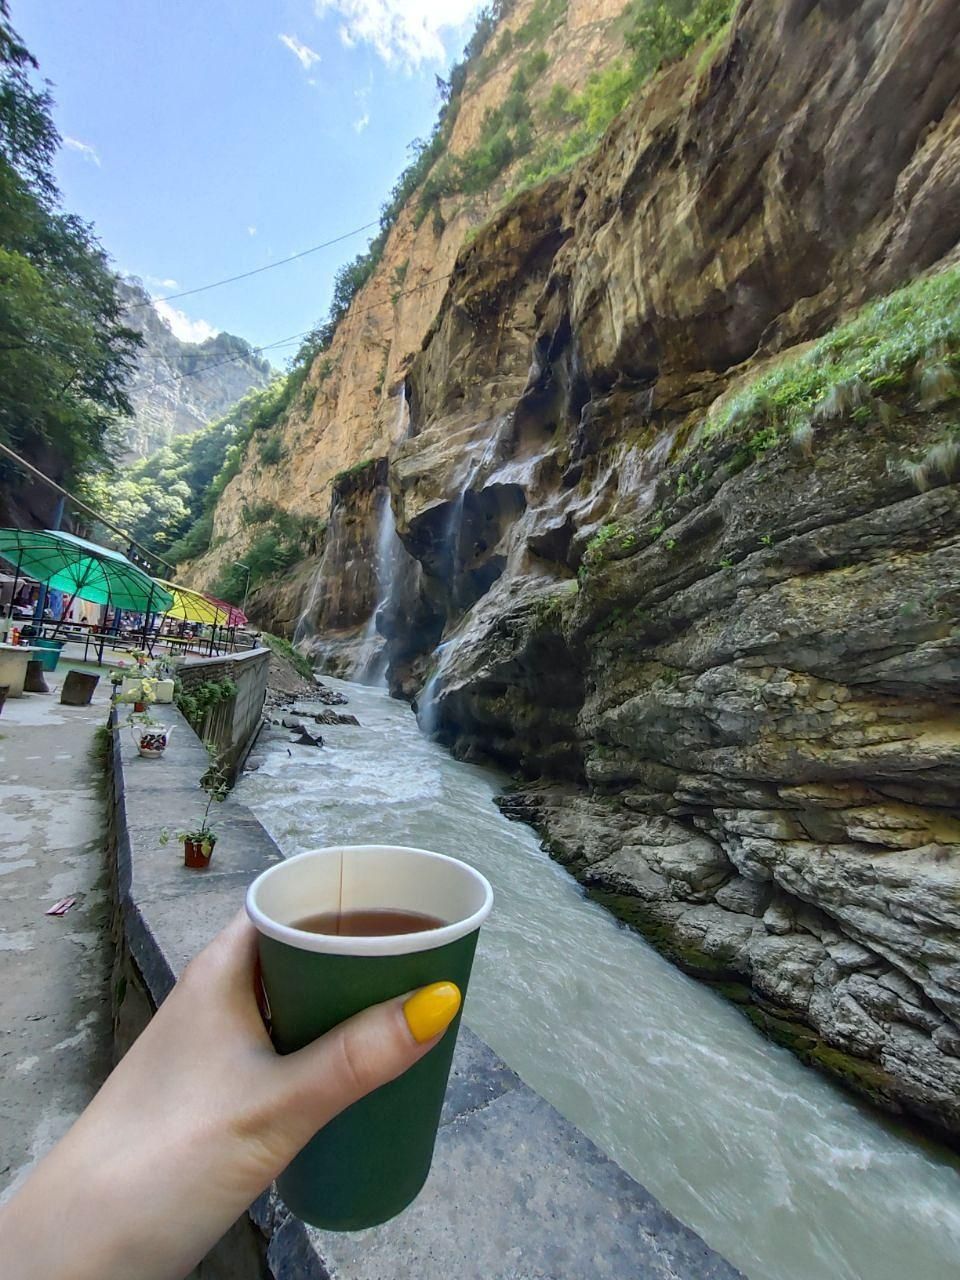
point(431, 1010)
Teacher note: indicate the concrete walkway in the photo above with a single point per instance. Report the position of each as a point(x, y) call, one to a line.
point(55, 1032)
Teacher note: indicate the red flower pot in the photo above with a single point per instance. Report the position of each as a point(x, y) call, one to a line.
point(193, 855)
point(139, 706)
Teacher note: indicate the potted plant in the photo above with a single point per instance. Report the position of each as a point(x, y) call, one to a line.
point(198, 842)
point(141, 690)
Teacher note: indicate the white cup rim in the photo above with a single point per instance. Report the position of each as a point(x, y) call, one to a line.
point(382, 945)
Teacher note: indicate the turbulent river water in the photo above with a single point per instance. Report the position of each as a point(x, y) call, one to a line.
point(775, 1167)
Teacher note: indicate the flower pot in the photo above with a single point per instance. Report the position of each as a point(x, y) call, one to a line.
point(139, 707)
point(193, 852)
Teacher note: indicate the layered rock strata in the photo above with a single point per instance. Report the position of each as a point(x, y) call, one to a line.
point(743, 705)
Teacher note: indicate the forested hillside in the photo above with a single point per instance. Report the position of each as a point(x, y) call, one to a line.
point(66, 349)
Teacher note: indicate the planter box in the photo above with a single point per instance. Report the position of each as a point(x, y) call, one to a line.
point(164, 691)
point(130, 689)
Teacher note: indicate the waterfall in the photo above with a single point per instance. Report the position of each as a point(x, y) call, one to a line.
point(305, 628)
point(372, 664)
point(427, 704)
point(427, 699)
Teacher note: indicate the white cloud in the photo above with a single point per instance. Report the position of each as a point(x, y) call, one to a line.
point(184, 328)
point(302, 52)
point(159, 282)
point(251, 231)
point(404, 31)
point(83, 148)
point(361, 124)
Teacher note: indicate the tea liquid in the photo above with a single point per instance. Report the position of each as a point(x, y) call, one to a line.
point(374, 922)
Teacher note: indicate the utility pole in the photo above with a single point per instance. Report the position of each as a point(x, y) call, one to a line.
point(246, 585)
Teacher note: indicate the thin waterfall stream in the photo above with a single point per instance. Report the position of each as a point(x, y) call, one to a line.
point(773, 1165)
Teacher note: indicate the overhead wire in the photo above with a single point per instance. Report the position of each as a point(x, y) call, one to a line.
point(245, 275)
point(354, 311)
point(735, 146)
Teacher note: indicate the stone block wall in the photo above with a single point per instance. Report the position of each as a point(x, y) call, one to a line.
point(231, 725)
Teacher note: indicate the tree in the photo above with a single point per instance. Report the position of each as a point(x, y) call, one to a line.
point(65, 353)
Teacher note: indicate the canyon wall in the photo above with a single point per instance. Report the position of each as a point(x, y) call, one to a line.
point(730, 662)
point(692, 578)
point(350, 409)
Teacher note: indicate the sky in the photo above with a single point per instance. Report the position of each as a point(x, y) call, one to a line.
point(204, 138)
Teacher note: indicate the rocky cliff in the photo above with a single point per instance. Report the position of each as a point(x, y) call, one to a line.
point(350, 409)
point(680, 517)
point(181, 386)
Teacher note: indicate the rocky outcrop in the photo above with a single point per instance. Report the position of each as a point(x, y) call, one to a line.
point(732, 660)
point(180, 386)
point(351, 408)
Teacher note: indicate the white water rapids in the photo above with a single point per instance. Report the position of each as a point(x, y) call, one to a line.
point(774, 1166)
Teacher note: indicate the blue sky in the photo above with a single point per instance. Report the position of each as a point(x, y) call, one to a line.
point(204, 138)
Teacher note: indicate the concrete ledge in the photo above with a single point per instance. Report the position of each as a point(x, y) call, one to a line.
point(515, 1192)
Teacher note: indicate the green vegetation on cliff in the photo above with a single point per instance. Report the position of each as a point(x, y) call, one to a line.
point(65, 353)
point(897, 355)
point(905, 344)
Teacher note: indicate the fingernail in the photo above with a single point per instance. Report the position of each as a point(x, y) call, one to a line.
point(431, 1010)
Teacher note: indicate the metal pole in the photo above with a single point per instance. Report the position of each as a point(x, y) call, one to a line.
point(13, 589)
point(246, 585)
point(146, 619)
point(42, 597)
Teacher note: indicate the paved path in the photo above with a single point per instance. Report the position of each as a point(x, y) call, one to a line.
point(55, 1039)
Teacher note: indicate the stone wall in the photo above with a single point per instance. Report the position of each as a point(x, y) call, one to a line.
point(232, 724)
point(502, 1152)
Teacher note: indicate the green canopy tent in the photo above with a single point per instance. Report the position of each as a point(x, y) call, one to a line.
point(81, 568)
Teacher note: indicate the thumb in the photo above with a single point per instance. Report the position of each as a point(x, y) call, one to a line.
point(364, 1053)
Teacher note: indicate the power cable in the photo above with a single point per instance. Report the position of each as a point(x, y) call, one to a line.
point(354, 311)
point(245, 275)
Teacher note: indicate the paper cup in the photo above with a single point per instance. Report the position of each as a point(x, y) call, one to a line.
point(371, 1161)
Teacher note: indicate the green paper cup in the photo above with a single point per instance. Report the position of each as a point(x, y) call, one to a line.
point(370, 1161)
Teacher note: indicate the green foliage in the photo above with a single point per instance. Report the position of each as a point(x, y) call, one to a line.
point(166, 501)
point(272, 451)
point(659, 33)
point(544, 16)
point(611, 541)
point(285, 539)
point(284, 649)
point(196, 701)
point(885, 347)
point(528, 71)
point(664, 32)
point(397, 279)
point(215, 781)
point(65, 353)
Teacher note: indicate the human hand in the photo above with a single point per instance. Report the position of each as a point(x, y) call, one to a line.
point(198, 1118)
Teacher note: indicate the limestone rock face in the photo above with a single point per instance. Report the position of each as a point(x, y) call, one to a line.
point(351, 408)
point(179, 386)
point(744, 709)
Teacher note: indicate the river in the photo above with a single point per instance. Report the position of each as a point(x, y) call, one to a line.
point(775, 1167)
